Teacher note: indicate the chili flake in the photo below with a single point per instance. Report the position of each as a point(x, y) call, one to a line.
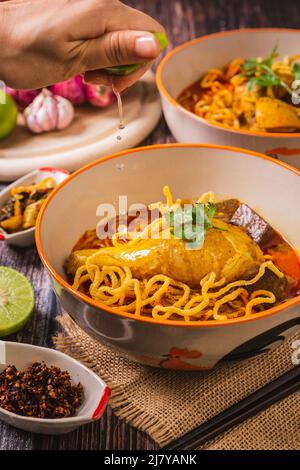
point(39, 391)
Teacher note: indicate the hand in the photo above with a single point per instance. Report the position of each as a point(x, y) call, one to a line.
point(46, 42)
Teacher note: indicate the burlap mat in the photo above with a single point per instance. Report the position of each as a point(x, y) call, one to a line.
point(167, 404)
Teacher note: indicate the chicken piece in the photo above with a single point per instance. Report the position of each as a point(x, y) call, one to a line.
point(76, 260)
point(229, 252)
point(276, 116)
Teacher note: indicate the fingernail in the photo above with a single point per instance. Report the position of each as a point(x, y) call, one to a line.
point(146, 47)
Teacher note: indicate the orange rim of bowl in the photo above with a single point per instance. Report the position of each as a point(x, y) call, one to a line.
point(117, 311)
point(171, 100)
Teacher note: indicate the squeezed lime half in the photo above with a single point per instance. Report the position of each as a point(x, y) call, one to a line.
point(124, 70)
point(16, 300)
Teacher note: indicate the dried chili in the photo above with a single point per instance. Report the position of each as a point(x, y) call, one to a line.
point(39, 391)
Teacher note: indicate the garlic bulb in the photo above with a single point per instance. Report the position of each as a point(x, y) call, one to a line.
point(48, 112)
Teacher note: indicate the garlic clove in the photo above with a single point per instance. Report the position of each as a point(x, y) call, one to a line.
point(65, 111)
point(32, 123)
point(47, 114)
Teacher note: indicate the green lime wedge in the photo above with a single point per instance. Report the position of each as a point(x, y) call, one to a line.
point(163, 40)
point(16, 301)
point(124, 70)
point(8, 114)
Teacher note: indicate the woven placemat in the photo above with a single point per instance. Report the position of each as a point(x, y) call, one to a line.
point(167, 404)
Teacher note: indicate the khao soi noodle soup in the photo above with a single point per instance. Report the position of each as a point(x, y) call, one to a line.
point(232, 264)
point(256, 94)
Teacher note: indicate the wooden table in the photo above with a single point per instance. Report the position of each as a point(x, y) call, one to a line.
point(184, 20)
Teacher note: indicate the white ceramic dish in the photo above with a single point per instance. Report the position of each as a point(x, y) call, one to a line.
point(91, 135)
point(26, 237)
point(189, 62)
point(271, 187)
point(96, 392)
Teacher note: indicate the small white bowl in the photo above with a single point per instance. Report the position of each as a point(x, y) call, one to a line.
point(96, 392)
point(26, 237)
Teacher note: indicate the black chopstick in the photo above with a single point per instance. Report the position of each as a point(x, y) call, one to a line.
point(258, 401)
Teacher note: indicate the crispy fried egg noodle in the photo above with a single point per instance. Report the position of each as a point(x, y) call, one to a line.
point(224, 98)
point(163, 297)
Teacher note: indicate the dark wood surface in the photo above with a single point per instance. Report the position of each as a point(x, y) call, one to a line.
point(183, 19)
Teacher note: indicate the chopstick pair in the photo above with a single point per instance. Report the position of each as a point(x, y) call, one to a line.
point(258, 401)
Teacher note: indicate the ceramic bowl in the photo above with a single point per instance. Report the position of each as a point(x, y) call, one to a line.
point(96, 392)
point(272, 188)
point(27, 237)
point(189, 62)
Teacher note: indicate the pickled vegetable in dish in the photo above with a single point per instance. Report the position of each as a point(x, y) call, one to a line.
point(21, 210)
point(248, 94)
point(232, 264)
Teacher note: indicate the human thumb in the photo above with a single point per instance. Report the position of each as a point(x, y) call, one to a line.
point(119, 48)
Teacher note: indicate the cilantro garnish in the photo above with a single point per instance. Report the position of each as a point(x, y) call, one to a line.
point(191, 222)
point(260, 73)
point(296, 71)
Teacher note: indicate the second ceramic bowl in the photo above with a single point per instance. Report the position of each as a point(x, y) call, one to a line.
point(27, 237)
point(189, 62)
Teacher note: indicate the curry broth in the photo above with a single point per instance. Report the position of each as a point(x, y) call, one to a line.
point(282, 253)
